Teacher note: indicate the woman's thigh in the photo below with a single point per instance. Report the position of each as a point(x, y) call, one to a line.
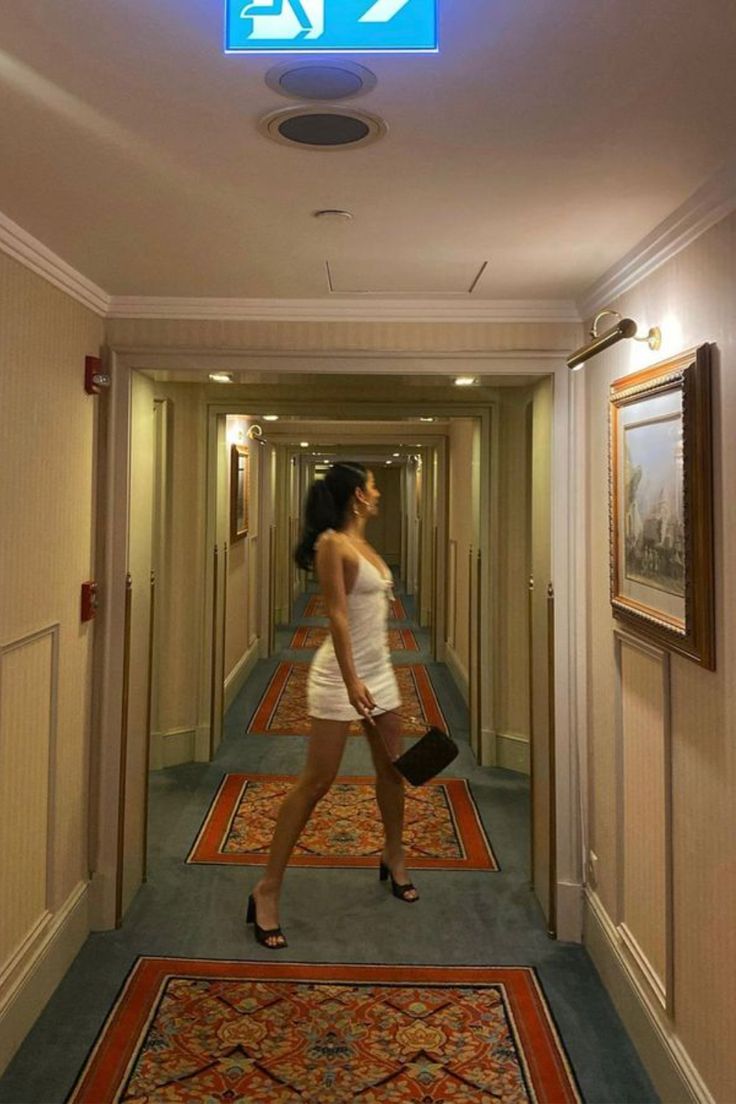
point(325, 749)
point(384, 739)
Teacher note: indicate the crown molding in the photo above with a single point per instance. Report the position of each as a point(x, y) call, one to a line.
point(23, 247)
point(346, 310)
point(708, 205)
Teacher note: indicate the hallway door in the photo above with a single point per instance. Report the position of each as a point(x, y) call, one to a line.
point(541, 645)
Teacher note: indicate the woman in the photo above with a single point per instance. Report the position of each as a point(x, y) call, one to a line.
point(351, 676)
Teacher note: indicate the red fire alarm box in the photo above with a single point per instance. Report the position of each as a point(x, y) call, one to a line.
point(96, 379)
point(89, 600)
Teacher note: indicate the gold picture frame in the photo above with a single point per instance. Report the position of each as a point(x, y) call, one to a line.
point(661, 504)
point(239, 492)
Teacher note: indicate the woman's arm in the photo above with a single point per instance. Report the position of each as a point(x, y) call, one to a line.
point(329, 567)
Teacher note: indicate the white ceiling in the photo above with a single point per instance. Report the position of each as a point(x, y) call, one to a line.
point(547, 137)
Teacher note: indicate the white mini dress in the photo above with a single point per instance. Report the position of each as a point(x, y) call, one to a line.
point(368, 610)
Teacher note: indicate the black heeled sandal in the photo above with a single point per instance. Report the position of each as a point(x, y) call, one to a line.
point(400, 891)
point(264, 934)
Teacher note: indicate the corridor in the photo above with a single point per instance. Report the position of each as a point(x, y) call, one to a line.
point(331, 912)
point(487, 250)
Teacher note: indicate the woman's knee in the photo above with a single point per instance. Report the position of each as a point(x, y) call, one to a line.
point(316, 786)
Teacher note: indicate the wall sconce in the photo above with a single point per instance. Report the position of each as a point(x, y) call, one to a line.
point(626, 328)
point(254, 432)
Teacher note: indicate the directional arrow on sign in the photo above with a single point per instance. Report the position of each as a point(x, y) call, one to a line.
point(383, 11)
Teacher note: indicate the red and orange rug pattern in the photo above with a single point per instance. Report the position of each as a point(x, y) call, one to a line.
point(282, 710)
point(315, 607)
point(310, 637)
point(442, 829)
point(190, 1030)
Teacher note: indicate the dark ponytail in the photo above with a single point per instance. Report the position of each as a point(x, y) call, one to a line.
point(326, 507)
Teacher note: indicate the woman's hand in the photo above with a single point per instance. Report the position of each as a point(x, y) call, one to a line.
point(361, 700)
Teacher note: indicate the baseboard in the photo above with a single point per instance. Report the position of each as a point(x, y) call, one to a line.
point(570, 912)
point(238, 677)
point(168, 749)
point(512, 752)
point(667, 1062)
point(26, 992)
point(457, 670)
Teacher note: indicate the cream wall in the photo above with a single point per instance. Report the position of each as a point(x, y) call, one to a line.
point(646, 708)
point(48, 430)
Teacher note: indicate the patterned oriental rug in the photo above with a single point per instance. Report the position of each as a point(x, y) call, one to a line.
point(443, 830)
point(282, 710)
point(315, 607)
point(399, 640)
point(278, 1033)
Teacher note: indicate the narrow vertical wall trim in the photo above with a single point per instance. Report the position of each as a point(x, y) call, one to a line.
point(149, 707)
point(471, 670)
point(532, 862)
point(213, 660)
point(435, 600)
point(223, 672)
point(552, 764)
point(478, 644)
point(123, 752)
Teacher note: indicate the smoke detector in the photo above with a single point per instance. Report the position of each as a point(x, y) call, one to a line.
point(321, 80)
point(322, 128)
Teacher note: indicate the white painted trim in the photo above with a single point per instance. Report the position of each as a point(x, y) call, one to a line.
point(457, 670)
point(346, 309)
point(667, 1062)
point(661, 988)
point(23, 247)
point(25, 991)
point(238, 677)
point(708, 205)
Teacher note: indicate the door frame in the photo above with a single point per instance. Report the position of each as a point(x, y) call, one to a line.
point(568, 567)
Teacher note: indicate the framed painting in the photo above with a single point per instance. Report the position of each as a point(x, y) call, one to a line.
point(239, 492)
point(661, 504)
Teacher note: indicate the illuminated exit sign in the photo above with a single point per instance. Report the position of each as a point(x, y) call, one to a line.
point(331, 26)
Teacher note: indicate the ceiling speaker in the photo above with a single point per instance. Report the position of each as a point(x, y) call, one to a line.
point(321, 80)
point(323, 128)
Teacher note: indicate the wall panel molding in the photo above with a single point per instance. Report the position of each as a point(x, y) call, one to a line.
point(25, 991)
point(29, 673)
point(668, 1063)
point(644, 904)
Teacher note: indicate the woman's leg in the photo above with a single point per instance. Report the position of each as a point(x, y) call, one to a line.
point(384, 738)
point(326, 746)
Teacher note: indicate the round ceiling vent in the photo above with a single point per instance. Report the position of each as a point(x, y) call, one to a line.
point(323, 128)
point(321, 80)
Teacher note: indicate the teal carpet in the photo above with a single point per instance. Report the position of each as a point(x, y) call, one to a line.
point(341, 916)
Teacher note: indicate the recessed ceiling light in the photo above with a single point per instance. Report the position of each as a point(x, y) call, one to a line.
point(465, 381)
point(426, 419)
point(270, 417)
point(396, 454)
point(304, 444)
point(389, 461)
point(221, 377)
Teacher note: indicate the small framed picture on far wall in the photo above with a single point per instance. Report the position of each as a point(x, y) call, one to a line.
point(239, 492)
point(661, 504)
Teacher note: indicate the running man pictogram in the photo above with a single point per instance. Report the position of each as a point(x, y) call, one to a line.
point(287, 19)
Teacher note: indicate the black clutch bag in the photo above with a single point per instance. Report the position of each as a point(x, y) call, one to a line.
point(427, 757)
